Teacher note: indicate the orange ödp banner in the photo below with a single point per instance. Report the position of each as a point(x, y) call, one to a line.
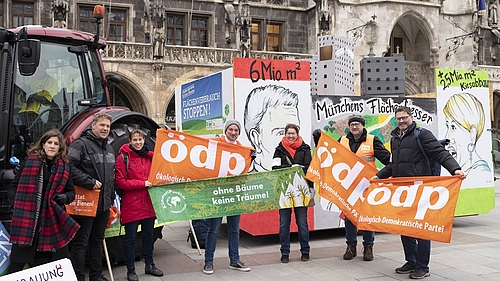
point(420, 207)
point(182, 157)
point(341, 175)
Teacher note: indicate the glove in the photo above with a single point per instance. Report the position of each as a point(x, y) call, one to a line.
point(61, 199)
point(37, 98)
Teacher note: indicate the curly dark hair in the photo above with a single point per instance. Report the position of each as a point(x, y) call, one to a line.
point(37, 148)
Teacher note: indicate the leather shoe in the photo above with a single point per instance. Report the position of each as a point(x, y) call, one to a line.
point(152, 270)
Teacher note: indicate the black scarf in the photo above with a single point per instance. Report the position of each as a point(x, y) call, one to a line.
point(143, 151)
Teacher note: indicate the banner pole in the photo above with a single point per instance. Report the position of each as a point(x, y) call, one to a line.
point(194, 236)
point(107, 260)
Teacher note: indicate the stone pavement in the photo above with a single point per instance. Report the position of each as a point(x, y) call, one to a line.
point(473, 254)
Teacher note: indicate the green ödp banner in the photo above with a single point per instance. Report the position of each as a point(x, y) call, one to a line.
point(227, 196)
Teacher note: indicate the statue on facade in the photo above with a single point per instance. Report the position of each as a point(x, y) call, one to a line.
point(60, 9)
point(158, 43)
point(243, 25)
point(493, 13)
point(230, 20)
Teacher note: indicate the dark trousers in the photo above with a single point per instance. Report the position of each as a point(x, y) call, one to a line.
point(417, 251)
point(91, 234)
point(147, 226)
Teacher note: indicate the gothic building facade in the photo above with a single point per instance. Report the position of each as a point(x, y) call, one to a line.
point(155, 45)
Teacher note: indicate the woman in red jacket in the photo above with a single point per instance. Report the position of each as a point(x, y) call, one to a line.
point(131, 175)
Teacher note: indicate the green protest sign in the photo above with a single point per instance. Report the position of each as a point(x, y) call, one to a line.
point(226, 196)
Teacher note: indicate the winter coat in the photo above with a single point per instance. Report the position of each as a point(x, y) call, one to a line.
point(407, 159)
point(94, 159)
point(27, 254)
point(302, 157)
point(136, 204)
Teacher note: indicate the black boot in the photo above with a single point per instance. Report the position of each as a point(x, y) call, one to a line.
point(152, 270)
point(131, 275)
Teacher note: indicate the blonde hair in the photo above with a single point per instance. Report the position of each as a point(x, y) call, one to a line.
point(467, 111)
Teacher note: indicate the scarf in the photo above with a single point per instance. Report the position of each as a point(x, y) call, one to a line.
point(143, 151)
point(35, 206)
point(291, 147)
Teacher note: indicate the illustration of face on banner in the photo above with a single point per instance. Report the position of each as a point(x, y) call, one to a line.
point(182, 157)
point(271, 94)
point(463, 96)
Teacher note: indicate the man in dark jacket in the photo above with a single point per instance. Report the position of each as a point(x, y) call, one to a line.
point(367, 147)
point(93, 161)
point(408, 161)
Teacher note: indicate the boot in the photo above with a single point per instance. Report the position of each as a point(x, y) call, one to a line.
point(350, 252)
point(131, 275)
point(152, 270)
point(368, 252)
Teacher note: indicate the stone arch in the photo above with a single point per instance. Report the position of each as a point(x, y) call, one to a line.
point(419, 43)
point(134, 90)
point(184, 78)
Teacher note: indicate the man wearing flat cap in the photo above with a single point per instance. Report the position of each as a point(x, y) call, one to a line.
point(368, 147)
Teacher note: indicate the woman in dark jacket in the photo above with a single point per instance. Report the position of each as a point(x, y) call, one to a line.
point(131, 175)
point(292, 150)
point(41, 229)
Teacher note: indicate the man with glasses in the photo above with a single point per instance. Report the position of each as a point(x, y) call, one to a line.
point(408, 160)
point(367, 147)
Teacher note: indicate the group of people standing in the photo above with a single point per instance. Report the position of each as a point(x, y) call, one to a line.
point(41, 230)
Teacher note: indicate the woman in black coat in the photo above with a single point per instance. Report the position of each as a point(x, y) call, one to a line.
point(292, 150)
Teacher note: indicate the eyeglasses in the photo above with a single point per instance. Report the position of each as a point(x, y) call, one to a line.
point(355, 124)
point(403, 118)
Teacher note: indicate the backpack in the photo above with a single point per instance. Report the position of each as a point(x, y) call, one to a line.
point(435, 166)
point(201, 229)
point(119, 191)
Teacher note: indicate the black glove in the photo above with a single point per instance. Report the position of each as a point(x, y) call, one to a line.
point(61, 199)
point(37, 98)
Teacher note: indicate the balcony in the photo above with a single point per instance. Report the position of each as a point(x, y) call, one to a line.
point(184, 55)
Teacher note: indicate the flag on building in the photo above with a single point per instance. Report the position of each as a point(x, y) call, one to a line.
point(482, 5)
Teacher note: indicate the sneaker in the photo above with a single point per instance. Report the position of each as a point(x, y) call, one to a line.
point(350, 252)
point(285, 259)
point(239, 266)
point(368, 252)
point(208, 268)
point(131, 275)
point(304, 257)
point(152, 270)
point(419, 274)
point(406, 268)
point(101, 278)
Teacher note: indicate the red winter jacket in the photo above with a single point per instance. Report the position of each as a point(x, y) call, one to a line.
point(136, 203)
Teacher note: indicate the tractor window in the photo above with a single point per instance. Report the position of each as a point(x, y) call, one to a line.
point(48, 98)
point(96, 78)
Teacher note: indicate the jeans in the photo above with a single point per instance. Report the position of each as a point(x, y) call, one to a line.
point(417, 251)
point(301, 220)
point(91, 234)
point(233, 239)
point(351, 234)
point(147, 226)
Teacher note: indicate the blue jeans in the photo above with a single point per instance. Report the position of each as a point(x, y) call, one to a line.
point(301, 220)
point(147, 226)
point(351, 234)
point(233, 238)
point(91, 234)
point(417, 251)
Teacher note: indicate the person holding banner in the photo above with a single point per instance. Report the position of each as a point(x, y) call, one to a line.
point(131, 175)
point(232, 130)
point(367, 147)
point(292, 150)
point(41, 229)
point(93, 161)
point(407, 160)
